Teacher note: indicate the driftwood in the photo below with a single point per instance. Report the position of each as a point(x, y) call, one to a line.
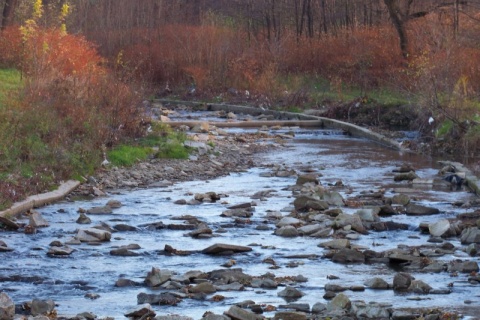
point(40, 199)
point(250, 124)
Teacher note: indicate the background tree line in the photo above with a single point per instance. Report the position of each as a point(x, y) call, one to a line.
point(271, 19)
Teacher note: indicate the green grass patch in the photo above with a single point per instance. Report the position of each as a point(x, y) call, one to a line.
point(10, 80)
point(127, 155)
point(444, 128)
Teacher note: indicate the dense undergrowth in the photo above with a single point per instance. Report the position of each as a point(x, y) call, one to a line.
point(64, 107)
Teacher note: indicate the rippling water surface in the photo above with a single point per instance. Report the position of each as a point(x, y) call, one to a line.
point(359, 164)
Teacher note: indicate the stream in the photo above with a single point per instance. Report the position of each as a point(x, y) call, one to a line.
point(362, 166)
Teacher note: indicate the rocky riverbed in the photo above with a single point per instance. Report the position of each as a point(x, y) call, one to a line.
point(315, 232)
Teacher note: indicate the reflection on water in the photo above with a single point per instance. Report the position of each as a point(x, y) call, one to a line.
point(361, 165)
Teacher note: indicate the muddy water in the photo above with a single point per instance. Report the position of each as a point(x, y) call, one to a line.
point(362, 166)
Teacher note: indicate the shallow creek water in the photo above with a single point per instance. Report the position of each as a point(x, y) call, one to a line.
point(361, 165)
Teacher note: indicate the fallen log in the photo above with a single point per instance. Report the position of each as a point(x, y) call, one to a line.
point(40, 199)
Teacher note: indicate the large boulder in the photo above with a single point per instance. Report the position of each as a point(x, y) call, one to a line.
point(345, 256)
point(352, 220)
point(377, 283)
point(306, 203)
point(470, 235)
point(238, 313)
point(157, 277)
point(287, 231)
point(221, 248)
point(36, 220)
point(340, 302)
point(402, 281)
point(7, 307)
point(437, 229)
point(413, 209)
point(93, 235)
point(42, 307)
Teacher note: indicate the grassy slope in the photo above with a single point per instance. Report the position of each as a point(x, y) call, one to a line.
point(10, 80)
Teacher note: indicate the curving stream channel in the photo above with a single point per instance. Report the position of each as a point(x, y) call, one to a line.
point(362, 166)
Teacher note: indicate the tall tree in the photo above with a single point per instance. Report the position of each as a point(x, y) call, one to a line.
point(8, 11)
point(400, 16)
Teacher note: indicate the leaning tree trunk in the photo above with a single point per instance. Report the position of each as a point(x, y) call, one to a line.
point(398, 21)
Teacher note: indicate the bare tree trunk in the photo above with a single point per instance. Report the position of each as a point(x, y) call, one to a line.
point(8, 11)
point(398, 20)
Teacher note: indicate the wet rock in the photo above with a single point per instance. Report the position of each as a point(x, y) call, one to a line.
point(310, 229)
point(435, 267)
point(386, 210)
point(470, 235)
point(173, 317)
point(100, 210)
point(41, 307)
point(241, 212)
point(7, 307)
point(237, 313)
point(157, 277)
point(114, 204)
point(123, 252)
point(230, 287)
point(93, 235)
point(290, 315)
point(439, 228)
point(413, 209)
point(368, 215)
point(306, 203)
point(420, 287)
point(303, 307)
point(264, 283)
point(290, 293)
point(142, 311)
point(402, 281)
point(463, 266)
point(332, 198)
point(199, 233)
point(405, 176)
point(4, 247)
point(472, 249)
point(263, 194)
point(212, 316)
point(9, 224)
point(405, 315)
point(404, 168)
point(181, 202)
point(121, 283)
point(207, 197)
point(60, 251)
point(229, 276)
point(287, 231)
point(319, 307)
point(401, 199)
point(204, 287)
point(344, 220)
point(377, 283)
point(334, 287)
point(307, 178)
point(221, 248)
point(341, 301)
point(345, 256)
point(289, 221)
point(371, 310)
point(164, 298)
point(83, 219)
point(335, 244)
point(124, 227)
point(329, 295)
point(36, 220)
point(244, 205)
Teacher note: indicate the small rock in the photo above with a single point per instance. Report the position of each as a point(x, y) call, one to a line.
point(7, 307)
